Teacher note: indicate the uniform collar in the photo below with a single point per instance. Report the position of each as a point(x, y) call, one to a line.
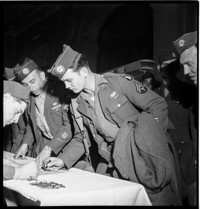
point(42, 94)
point(99, 80)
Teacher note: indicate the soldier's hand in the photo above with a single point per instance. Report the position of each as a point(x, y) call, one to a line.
point(44, 154)
point(21, 152)
point(53, 164)
point(26, 171)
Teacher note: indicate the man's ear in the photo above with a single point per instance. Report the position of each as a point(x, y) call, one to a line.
point(84, 71)
point(42, 75)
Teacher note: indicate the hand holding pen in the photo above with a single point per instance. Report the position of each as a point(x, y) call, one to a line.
point(52, 164)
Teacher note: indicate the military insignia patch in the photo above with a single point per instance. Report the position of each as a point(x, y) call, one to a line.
point(64, 135)
point(65, 107)
point(173, 54)
point(56, 107)
point(114, 95)
point(60, 139)
point(25, 71)
point(60, 69)
point(140, 88)
point(128, 77)
point(181, 43)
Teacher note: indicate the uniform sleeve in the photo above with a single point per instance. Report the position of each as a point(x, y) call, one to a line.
point(8, 172)
point(28, 136)
point(72, 152)
point(64, 135)
point(145, 99)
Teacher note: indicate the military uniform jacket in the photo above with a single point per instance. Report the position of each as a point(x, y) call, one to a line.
point(56, 115)
point(121, 97)
point(8, 172)
point(144, 154)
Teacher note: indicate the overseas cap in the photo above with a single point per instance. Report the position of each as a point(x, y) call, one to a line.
point(167, 56)
point(9, 74)
point(63, 62)
point(16, 89)
point(185, 41)
point(25, 69)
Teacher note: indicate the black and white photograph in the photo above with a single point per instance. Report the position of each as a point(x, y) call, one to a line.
point(100, 103)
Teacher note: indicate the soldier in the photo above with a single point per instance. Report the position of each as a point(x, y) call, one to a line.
point(186, 46)
point(49, 125)
point(166, 58)
point(180, 97)
point(105, 103)
point(15, 131)
point(15, 101)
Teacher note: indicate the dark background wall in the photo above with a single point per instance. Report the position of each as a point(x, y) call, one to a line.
point(109, 34)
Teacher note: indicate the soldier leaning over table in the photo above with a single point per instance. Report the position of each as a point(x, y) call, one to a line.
point(15, 131)
point(129, 124)
point(49, 126)
point(15, 101)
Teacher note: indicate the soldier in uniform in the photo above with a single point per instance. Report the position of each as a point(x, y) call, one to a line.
point(180, 97)
point(105, 102)
point(49, 125)
point(186, 46)
point(15, 101)
point(15, 131)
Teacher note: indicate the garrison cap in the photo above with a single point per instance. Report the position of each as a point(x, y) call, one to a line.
point(63, 62)
point(144, 64)
point(25, 69)
point(167, 56)
point(185, 41)
point(9, 74)
point(146, 75)
point(16, 89)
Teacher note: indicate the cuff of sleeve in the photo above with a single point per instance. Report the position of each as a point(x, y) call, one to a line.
point(65, 160)
point(27, 142)
point(56, 145)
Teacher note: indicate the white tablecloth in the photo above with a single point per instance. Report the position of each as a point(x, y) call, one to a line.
point(81, 188)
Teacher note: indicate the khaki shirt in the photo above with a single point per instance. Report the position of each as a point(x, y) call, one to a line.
point(40, 119)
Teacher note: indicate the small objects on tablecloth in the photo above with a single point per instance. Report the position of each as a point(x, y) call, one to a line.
point(46, 185)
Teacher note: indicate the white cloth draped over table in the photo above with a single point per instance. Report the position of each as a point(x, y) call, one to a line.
point(81, 188)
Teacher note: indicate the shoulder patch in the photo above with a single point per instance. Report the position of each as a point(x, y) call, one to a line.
point(140, 88)
point(128, 77)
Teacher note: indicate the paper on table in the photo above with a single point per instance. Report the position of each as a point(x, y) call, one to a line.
point(8, 159)
point(10, 156)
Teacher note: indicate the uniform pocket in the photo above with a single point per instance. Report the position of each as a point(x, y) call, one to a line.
point(121, 107)
point(117, 103)
point(56, 114)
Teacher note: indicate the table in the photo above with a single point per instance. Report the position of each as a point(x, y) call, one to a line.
point(80, 188)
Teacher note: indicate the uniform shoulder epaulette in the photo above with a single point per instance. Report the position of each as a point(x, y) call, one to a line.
point(109, 74)
point(127, 77)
